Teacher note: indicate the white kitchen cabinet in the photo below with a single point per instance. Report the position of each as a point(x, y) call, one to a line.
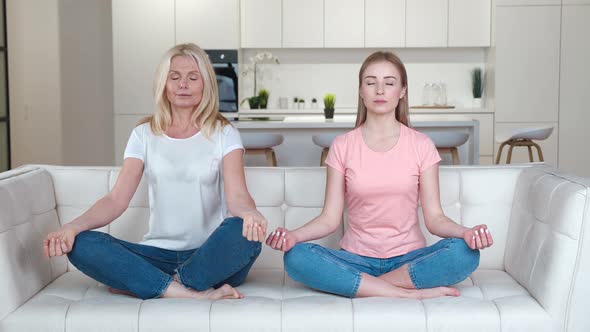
point(576, 2)
point(140, 38)
point(385, 23)
point(527, 2)
point(521, 154)
point(303, 23)
point(211, 24)
point(261, 23)
point(574, 114)
point(344, 23)
point(527, 63)
point(469, 23)
point(426, 23)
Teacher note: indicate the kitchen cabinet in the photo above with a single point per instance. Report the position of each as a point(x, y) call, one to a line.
point(527, 2)
point(344, 23)
point(385, 23)
point(527, 63)
point(195, 23)
point(574, 114)
point(140, 38)
point(469, 23)
point(261, 23)
point(303, 23)
point(426, 23)
point(576, 2)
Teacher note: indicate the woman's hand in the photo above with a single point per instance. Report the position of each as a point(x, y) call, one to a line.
point(478, 237)
point(254, 228)
point(60, 242)
point(281, 239)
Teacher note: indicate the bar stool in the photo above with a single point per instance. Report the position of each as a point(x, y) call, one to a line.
point(522, 137)
point(324, 141)
point(447, 142)
point(261, 143)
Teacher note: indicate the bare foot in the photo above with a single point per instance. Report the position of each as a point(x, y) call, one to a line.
point(122, 292)
point(429, 293)
point(224, 292)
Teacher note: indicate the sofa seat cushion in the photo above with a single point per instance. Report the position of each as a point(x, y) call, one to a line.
point(491, 300)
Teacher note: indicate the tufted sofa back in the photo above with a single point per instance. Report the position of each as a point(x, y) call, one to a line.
point(530, 211)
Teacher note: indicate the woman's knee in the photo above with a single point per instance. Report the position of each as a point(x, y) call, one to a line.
point(466, 259)
point(86, 243)
point(295, 259)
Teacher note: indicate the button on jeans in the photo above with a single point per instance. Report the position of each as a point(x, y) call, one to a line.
point(444, 263)
point(146, 271)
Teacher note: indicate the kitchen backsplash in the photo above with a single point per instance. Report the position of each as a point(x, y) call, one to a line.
point(313, 73)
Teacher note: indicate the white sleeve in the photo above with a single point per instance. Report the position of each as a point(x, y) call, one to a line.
point(135, 146)
point(232, 139)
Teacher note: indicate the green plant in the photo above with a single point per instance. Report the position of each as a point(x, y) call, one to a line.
point(477, 82)
point(295, 99)
point(329, 101)
point(301, 100)
point(263, 97)
point(313, 100)
point(253, 102)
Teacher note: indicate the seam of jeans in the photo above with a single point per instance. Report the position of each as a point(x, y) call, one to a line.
point(166, 281)
point(362, 263)
point(356, 286)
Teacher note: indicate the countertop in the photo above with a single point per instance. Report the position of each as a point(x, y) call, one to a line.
point(348, 121)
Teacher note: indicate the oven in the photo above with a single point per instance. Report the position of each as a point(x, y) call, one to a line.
point(225, 64)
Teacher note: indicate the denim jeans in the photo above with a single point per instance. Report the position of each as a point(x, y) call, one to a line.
point(225, 258)
point(445, 263)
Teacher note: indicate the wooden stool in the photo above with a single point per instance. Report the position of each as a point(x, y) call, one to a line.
point(260, 143)
point(324, 141)
point(523, 137)
point(447, 142)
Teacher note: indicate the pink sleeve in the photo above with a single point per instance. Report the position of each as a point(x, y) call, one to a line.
point(335, 155)
point(427, 153)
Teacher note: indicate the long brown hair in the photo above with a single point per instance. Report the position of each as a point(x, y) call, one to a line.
point(402, 109)
point(205, 115)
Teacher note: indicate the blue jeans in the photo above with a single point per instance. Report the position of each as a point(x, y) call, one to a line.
point(445, 263)
point(225, 258)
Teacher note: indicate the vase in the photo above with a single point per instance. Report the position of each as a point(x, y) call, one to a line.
point(477, 103)
point(329, 113)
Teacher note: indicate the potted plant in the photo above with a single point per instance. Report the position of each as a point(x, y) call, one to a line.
point(253, 102)
point(263, 98)
point(329, 101)
point(301, 103)
point(314, 103)
point(295, 102)
point(477, 86)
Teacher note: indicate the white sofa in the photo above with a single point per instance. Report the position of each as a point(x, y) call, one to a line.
point(535, 277)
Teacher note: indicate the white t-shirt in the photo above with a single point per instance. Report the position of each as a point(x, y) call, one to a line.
point(185, 180)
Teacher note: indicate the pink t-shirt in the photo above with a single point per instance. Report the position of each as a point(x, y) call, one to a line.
point(382, 191)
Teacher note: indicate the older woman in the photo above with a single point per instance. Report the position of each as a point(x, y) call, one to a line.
point(192, 158)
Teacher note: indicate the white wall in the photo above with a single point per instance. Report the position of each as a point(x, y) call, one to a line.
point(312, 73)
point(60, 81)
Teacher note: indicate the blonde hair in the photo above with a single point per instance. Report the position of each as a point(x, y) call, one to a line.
point(206, 115)
point(402, 109)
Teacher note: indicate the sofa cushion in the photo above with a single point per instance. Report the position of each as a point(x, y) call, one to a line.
point(491, 300)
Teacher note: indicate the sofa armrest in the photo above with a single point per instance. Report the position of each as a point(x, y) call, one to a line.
point(547, 250)
point(27, 214)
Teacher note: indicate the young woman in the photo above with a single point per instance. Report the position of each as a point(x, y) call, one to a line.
point(193, 161)
point(381, 168)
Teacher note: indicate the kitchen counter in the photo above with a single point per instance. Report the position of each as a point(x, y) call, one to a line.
point(345, 122)
point(279, 113)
